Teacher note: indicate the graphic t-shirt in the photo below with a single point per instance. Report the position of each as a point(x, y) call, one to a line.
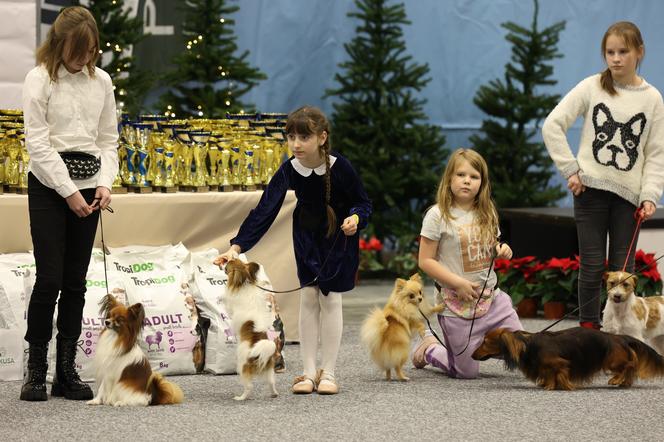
point(462, 252)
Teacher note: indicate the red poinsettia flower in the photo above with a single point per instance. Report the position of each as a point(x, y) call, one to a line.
point(375, 244)
point(363, 244)
point(562, 264)
point(520, 262)
point(530, 272)
point(643, 258)
point(502, 265)
point(652, 273)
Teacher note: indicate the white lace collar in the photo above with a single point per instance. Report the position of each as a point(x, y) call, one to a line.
point(306, 171)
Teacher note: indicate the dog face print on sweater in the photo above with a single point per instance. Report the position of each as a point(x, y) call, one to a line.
point(616, 144)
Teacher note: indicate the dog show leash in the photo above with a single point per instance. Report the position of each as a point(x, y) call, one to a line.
point(479, 298)
point(639, 220)
point(320, 270)
point(103, 243)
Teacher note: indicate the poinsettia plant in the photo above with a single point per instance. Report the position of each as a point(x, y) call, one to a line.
point(557, 280)
point(517, 276)
point(369, 249)
point(649, 281)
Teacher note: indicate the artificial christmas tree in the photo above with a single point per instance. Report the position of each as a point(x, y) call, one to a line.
point(117, 33)
point(209, 78)
point(520, 168)
point(378, 120)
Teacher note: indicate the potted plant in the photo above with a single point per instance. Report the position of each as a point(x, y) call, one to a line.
point(516, 276)
point(369, 262)
point(649, 281)
point(557, 283)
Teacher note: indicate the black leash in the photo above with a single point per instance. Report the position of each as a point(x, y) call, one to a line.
point(632, 275)
point(479, 298)
point(431, 330)
point(313, 281)
point(103, 243)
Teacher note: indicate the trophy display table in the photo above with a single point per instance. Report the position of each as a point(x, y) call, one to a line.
point(198, 220)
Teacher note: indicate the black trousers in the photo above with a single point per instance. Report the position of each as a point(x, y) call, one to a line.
point(62, 245)
point(598, 213)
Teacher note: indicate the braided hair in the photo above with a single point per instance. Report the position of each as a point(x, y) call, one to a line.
point(309, 120)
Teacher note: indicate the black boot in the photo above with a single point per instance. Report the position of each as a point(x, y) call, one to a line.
point(66, 382)
point(34, 384)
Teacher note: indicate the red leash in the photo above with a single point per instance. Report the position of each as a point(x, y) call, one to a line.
point(639, 220)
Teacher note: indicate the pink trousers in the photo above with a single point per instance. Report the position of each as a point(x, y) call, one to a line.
point(455, 333)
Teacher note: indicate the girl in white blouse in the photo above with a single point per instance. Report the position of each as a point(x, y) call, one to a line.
point(69, 112)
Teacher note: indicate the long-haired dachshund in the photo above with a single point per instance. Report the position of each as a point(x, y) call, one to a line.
point(565, 359)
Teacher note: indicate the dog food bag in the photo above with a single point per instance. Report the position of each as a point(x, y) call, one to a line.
point(11, 340)
point(17, 260)
point(209, 288)
point(137, 259)
point(220, 343)
point(17, 284)
point(169, 335)
point(92, 323)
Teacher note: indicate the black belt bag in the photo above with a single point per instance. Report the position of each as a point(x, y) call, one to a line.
point(81, 165)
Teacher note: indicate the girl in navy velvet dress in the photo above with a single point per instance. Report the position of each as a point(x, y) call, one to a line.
point(331, 206)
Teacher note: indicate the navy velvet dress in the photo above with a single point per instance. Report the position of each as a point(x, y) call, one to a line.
point(312, 247)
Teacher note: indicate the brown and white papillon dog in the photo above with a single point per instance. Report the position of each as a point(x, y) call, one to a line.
point(250, 320)
point(123, 373)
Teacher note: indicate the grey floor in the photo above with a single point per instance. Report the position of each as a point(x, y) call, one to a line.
point(500, 405)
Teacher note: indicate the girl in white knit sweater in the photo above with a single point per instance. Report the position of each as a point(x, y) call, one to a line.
point(620, 162)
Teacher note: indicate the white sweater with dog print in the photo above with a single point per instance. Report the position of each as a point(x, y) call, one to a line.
point(622, 140)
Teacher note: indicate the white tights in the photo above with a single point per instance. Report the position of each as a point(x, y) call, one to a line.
point(320, 317)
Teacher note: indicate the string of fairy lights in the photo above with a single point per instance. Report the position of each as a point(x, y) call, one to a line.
point(190, 46)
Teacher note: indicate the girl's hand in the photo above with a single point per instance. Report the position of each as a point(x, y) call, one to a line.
point(503, 251)
point(647, 210)
point(349, 226)
point(232, 253)
point(574, 184)
point(78, 205)
point(467, 290)
point(102, 198)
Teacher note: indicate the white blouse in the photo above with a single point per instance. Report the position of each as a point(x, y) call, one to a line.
point(76, 113)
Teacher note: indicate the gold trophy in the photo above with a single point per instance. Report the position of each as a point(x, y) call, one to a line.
point(236, 164)
point(25, 160)
point(142, 140)
point(268, 170)
point(117, 186)
point(158, 160)
point(225, 184)
point(2, 160)
point(185, 159)
point(248, 181)
point(14, 150)
point(171, 152)
point(200, 139)
point(213, 155)
point(169, 166)
point(128, 154)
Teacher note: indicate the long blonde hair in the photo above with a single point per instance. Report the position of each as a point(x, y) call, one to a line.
point(309, 120)
point(484, 207)
point(77, 26)
point(631, 35)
